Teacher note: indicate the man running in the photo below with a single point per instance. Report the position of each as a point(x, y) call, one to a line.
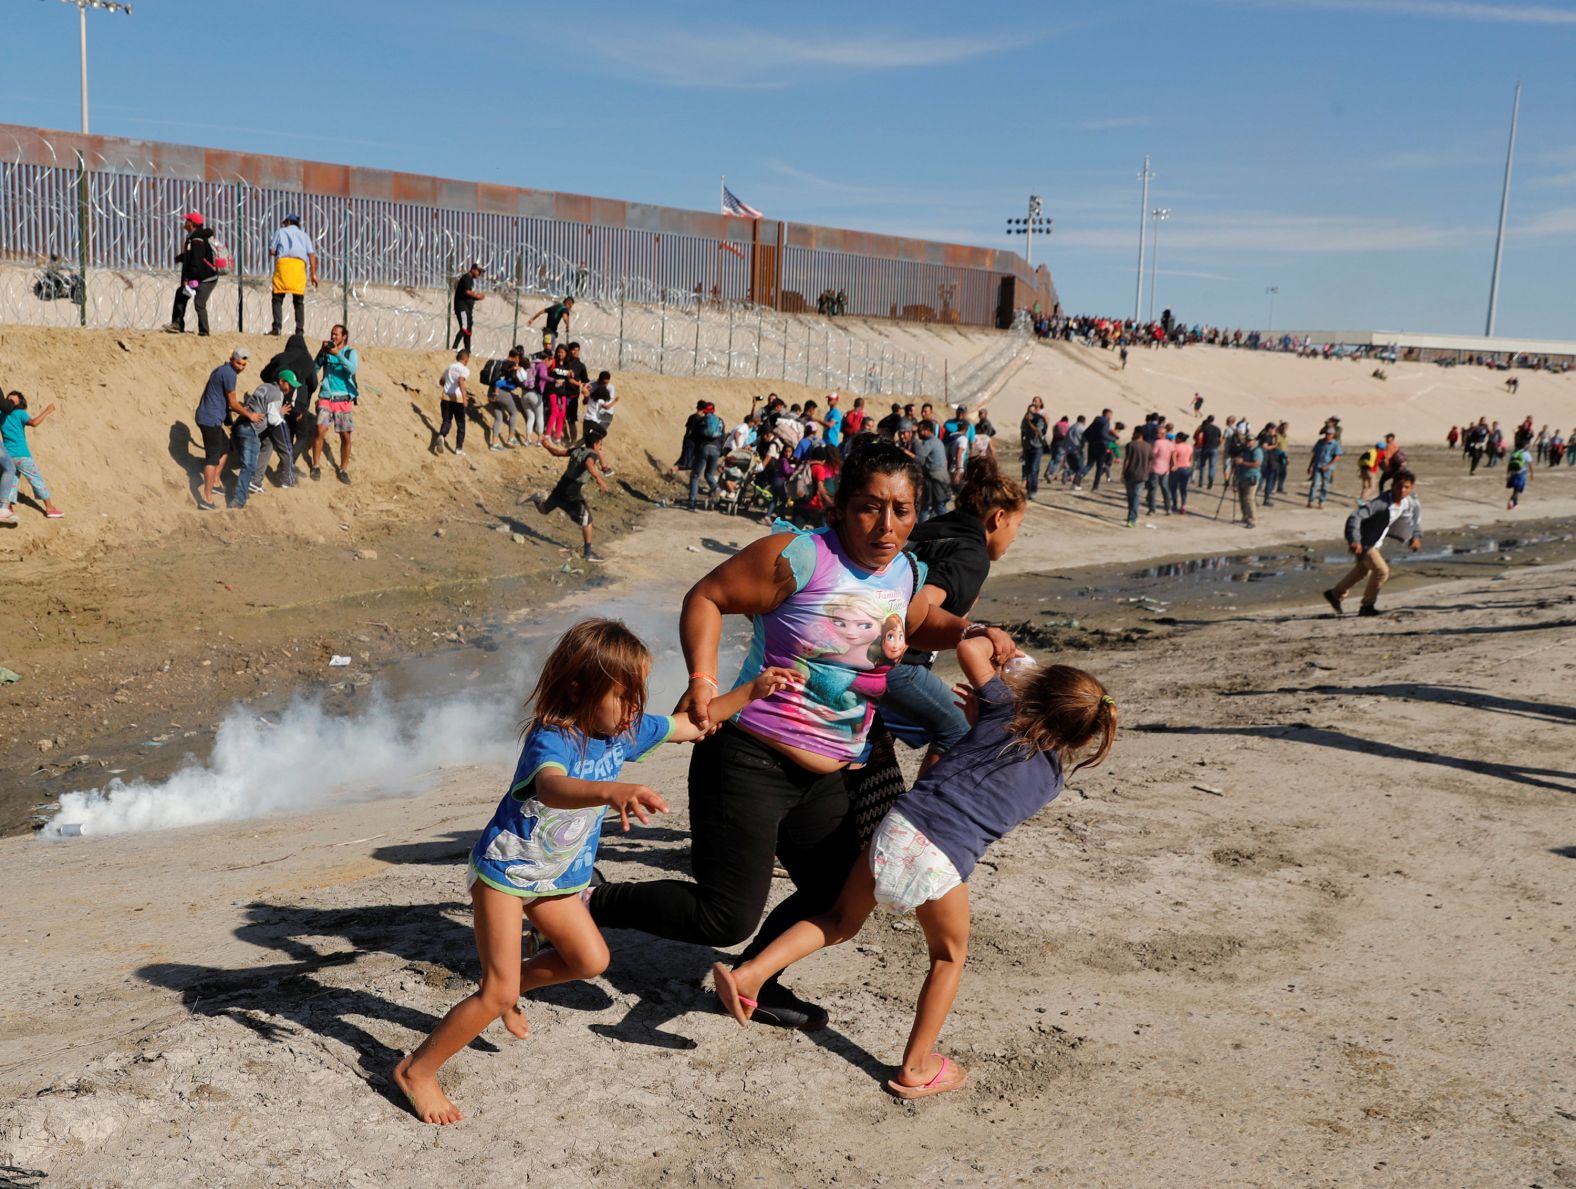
point(556, 314)
point(1366, 530)
point(585, 461)
point(1518, 469)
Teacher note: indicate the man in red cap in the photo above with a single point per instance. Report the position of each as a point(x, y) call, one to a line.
point(199, 274)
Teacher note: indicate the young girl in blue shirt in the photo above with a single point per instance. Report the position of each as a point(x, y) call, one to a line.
point(1026, 724)
point(534, 859)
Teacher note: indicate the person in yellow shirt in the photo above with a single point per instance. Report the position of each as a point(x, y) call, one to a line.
point(295, 261)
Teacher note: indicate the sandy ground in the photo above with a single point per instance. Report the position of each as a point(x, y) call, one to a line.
point(1343, 960)
point(1190, 970)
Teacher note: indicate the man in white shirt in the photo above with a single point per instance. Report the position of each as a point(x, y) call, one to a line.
point(453, 403)
point(294, 259)
point(743, 435)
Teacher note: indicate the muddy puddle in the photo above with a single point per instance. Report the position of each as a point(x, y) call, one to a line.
point(1101, 605)
point(1071, 610)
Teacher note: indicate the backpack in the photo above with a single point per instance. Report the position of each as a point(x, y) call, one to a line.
point(219, 258)
point(712, 428)
point(1368, 460)
point(492, 371)
point(801, 484)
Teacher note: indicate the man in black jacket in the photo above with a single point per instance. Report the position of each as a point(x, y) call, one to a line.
point(465, 299)
point(199, 274)
point(1097, 443)
point(1206, 446)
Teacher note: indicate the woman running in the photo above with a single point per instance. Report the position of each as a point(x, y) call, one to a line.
point(839, 605)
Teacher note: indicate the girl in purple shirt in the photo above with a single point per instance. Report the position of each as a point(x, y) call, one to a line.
point(1009, 766)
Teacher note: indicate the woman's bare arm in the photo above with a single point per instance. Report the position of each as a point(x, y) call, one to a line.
point(751, 582)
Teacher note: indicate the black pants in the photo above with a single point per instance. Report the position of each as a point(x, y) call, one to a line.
point(467, 322)
point(747, 803)
point(299, 301)
point(453, 411)
point(183, 295)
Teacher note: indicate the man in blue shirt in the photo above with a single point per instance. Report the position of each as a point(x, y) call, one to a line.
point(1248, 468)
point(213, 409)
point(833, 420)
point(294, 258)
point(1321, 467)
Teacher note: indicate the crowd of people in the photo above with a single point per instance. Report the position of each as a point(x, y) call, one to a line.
point(1483, 444)
point(1159, 464)
point(785, 459)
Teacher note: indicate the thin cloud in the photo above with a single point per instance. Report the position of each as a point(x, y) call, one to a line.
point(1558, 223)
point(753, 60)
point(1445, 10)
point(1289, 234)
point(1108, 122)
point(1197, 276)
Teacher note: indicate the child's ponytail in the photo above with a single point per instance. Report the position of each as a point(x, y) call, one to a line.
point(1066, 711)
point(986, 489)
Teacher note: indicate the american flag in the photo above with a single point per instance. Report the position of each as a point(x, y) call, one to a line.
point(732, 204)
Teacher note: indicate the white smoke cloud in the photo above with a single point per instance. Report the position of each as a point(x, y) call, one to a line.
point(310, 759)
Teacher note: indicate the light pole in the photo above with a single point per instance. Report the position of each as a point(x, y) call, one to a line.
point(1027, 227)
point(82, 7)
point(1160, 214)
point(1504, 206)
point(1143, 219)
point(1270, 291)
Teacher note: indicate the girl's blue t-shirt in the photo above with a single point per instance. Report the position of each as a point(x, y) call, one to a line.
point(531, 849)
point(984, 787)
point(13, 433)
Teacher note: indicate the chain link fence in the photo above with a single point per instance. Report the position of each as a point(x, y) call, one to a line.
point(92, 243)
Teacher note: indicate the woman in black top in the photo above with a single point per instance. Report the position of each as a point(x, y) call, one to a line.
point(958, 547)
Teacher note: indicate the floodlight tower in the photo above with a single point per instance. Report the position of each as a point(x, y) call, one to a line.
point(82, 7)
point(1027, 227)
point(1160, 214)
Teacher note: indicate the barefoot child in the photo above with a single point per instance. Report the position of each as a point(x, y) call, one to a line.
point(534, 858)
point(1004, 771)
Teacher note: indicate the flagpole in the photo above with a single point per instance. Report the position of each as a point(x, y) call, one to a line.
point(722, 191)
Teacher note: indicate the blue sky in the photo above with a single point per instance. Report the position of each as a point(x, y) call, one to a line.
point(1347, 151)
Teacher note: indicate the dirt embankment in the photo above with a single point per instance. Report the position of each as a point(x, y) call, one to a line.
point(137, 616)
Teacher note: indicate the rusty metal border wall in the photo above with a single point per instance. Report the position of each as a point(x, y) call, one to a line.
point(375, 227)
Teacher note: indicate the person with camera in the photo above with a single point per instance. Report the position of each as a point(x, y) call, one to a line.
point(338, 363)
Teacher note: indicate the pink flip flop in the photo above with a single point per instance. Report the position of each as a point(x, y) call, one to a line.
point(939, 1084)
point(740, 1007)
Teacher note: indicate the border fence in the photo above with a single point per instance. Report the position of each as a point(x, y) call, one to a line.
point(89, 228)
